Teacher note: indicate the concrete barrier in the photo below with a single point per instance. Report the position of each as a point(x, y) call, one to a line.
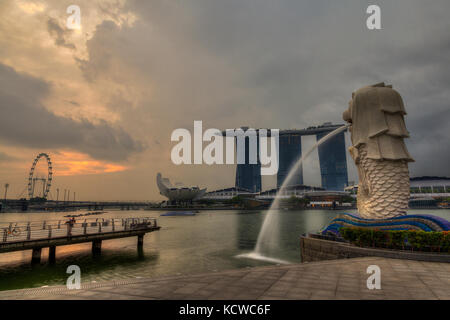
point(316, 249)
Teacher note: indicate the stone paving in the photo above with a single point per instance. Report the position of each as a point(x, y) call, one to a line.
point(332, 279)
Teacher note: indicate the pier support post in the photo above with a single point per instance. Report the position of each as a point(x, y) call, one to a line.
point(52, 254)
point(96, 247)
point(36, 256)
point(140, 245)
point(140, 242)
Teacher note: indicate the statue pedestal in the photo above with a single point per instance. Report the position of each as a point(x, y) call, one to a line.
point(420, 222)
point(329, 243)
point(319, 248)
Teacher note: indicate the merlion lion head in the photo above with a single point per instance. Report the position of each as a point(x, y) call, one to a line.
point(379, 96)
point(376, 111)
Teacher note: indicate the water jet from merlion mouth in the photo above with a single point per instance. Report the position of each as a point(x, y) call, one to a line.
point(267, 244)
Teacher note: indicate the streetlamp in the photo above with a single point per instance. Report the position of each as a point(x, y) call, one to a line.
point(6, 190)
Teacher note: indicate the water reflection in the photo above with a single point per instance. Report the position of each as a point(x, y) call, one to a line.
point(248, 226)
point(209, 241)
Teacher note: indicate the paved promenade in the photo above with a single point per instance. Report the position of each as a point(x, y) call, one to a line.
point(334, 279)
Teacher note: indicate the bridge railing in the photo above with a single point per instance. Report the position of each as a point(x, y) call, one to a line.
point(48, 229)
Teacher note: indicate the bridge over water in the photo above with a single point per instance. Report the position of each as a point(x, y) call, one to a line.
point(50, 205)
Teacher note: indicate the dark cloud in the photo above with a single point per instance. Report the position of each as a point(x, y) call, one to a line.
point(26, 122)
point(59, 34)
point(74, 103)
point(281, 64)
point(100, 61)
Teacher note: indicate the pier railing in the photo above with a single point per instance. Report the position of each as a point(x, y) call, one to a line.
point(49, 229)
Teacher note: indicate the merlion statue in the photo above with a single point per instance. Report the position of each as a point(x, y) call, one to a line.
point(377, 132)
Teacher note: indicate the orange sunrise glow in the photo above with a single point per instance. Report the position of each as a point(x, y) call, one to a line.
point(73, 163)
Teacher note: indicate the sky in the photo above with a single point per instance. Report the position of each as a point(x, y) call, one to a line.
point(103, 100)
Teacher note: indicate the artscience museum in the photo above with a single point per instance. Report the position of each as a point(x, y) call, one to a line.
point(179, 192)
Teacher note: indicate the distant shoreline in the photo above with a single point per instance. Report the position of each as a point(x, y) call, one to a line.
point(230, 208)
point(256, 209)
point(244, 209)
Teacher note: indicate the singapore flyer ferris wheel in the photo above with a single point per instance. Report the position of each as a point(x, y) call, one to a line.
point(46, 182)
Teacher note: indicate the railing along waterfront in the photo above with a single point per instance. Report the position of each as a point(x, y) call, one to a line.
point(51, 229)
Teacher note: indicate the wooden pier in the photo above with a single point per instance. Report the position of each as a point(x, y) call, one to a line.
point(35, 235)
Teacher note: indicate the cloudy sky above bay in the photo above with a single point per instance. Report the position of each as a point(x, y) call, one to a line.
point(103, 100)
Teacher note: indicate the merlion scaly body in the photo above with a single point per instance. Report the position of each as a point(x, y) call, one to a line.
point(378, 129)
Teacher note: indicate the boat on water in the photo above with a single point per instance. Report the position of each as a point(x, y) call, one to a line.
point(178, 213)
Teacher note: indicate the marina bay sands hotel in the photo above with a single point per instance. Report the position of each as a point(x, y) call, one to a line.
point(332, 158)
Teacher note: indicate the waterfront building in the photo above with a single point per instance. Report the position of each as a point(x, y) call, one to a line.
point(422, 188)
point(430, 186)
point(333, 161)
point(290, 150)
point(248, 175)
point(352, 189)
point(289, 191)
point(423, 202)
point(327, 196)
point(178, 193)
point(332, 157)
point(227, 193)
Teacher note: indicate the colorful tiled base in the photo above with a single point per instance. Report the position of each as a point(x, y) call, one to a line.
point(422, 222)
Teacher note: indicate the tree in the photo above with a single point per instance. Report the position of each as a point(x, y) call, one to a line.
point(348, 199)
point(295, 202)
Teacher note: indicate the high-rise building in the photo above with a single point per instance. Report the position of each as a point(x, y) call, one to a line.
point(290, 150)
point(248, 176)
point(333, 162)
point(332, 157)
